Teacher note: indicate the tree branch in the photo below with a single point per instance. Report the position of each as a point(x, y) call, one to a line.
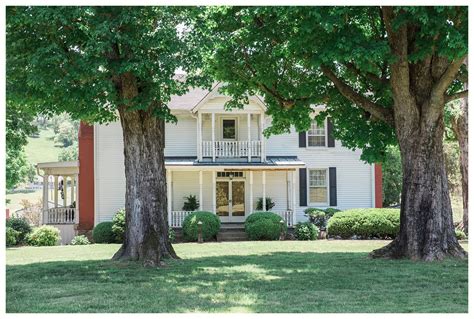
point(447, 78)
point(378, 111)
point(371, 76)
point(456, 96)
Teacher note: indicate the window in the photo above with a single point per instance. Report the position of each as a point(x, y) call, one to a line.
point(229, 174)
point(229, 129)
point(317, 134)
point(318, 189)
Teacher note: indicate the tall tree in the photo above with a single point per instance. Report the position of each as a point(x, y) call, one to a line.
point(100, 63)
point(385, 75)
point(19, 126)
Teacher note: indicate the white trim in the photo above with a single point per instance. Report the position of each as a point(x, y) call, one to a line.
point(200, 190)
point(237, 168)
point(308, 186)
point(372, 183)
point(251, 192)
point(264, 191)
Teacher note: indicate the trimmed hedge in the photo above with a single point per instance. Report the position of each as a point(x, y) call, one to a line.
point(365, 223)
point(306, 231)
point(44, 236)
point(210, 226)
point(22, 226)
point(263, 226)
point(11, 236)
point(80, 240)
point(103, 234)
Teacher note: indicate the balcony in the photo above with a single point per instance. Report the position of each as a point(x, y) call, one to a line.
point(231, 149)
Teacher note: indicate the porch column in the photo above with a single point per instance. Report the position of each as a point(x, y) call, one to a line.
point(288, 194)
point(65, 191)
point(45, 198)
point(214, 192)
point(200, 190)
point(251, 192)
point(264, 195)
point(72, 189)
point(56, 185)
point(169, 199)
point(213, 116)
point(293, 201)
point(199, 136)
point(249, 140)
point(262, 143)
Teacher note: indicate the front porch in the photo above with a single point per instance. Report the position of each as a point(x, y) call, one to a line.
point(232, 192)
point(60, 197)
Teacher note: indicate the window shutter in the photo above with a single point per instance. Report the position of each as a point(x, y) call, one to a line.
point(303, 188)
point(332, 187)
point(302, 139)
point(329, 132)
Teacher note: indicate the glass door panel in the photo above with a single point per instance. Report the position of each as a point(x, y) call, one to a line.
point(238, 198)
point(222, 198)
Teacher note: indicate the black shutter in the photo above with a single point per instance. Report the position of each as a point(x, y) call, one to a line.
point(302, 139)
point(332, 187)
point(329, 132)
point(303, 188)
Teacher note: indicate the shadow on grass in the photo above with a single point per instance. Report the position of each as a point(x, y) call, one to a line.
point(276, 282)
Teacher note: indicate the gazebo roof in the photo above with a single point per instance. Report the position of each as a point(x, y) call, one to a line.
point(59, 168)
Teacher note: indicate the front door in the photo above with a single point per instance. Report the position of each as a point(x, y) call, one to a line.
point(230, 200)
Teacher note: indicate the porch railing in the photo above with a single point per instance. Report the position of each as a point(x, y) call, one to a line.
point(232, 148)
point(177, 218)
point(287, 216)
point(61, 215)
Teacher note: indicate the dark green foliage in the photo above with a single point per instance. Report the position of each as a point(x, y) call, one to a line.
point(118, 227)
point(21, 225)
point(191, 203)
point(44, 236)
point(365, 222)
point(331, 211)
point(210, 226)
point(264, 226)
point(103, 234)
point(392, 176)
point(452, 164)
point(11, 236)
point(317, 217)
point(306, 231)
point(268, 201)
point(171, 235)
point(80, 240)
point(460, 234)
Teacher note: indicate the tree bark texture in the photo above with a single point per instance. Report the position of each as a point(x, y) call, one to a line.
point(146, 234)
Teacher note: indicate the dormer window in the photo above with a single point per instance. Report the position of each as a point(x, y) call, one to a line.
point(317, 134)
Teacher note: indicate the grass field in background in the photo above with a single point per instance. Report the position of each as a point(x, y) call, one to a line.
point(290, 276)
point(42, 148)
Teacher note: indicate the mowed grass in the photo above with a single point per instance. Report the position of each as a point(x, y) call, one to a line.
point(290, 276)
point(42, 148)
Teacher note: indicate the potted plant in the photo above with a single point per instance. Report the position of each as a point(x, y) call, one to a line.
point(268, 201)
point(191, 203)
point(318, 217)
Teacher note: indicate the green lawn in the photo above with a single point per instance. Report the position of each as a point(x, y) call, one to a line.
point(321, 276)
point(42, 148)
point(15, 198)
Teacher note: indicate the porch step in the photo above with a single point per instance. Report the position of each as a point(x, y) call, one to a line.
point(229, 234)
point(232, 226)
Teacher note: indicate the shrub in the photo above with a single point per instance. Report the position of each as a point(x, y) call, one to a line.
point(44, 236)
point(330, 212)
point(11, 236)
point(306, 231)
point(191, 203)
point(460, 234)
point(171, 235)
point(80, 240)
point(369, 222)
point(21, 225)
point(269, 203)
point(103, 233)
point(210, 226)
point(263, 226)
point(317, 217)
point(118, 225)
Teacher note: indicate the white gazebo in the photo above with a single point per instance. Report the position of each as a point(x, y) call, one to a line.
point(60, 196)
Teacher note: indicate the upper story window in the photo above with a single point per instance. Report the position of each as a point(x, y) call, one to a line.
point(318, 186)
point(317, 134)
point(229, 129)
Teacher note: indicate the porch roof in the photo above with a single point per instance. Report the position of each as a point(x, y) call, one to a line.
point(270, 162)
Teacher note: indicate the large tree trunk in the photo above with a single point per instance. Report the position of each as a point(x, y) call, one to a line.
point(426, 221)
point(146, 234)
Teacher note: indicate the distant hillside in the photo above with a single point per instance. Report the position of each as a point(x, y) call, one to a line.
point(42, 148)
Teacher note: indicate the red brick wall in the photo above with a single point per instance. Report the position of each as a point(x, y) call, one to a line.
point(378, 186)
point(86, 177)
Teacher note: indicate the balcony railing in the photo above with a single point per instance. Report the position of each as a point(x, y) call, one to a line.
point(177, 218)
point(287, 216)
point(61, 215)
point(229, 149)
